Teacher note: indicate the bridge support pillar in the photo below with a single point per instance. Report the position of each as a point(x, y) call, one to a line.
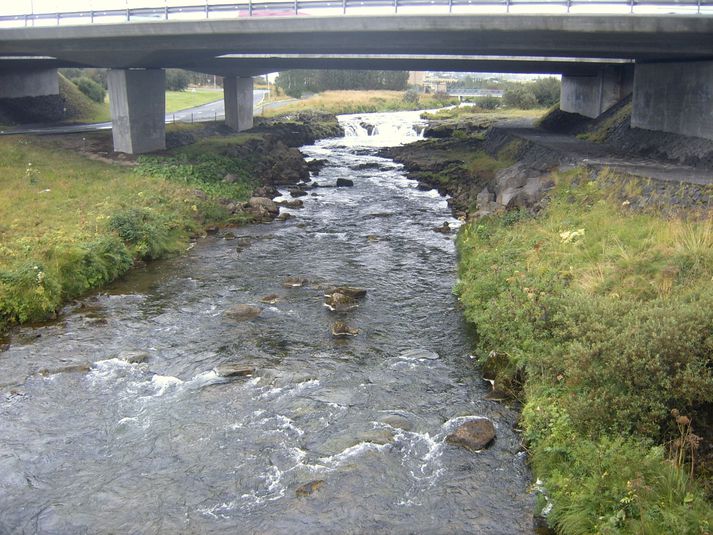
point(593, 95)
point(29, 83)
point(137, 99)
point(674, 97)
point(238, 96)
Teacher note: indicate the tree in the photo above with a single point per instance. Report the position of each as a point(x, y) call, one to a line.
point(546, 91)
point(519, 96)
point(176, 79)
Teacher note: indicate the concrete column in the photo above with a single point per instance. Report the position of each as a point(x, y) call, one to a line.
point(238, 96)
point(674, 97)
point(137, 99)
point(29, 83)
point(593, 95)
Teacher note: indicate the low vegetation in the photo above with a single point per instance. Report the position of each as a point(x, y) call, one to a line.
point(341, 102)
point(70, 224)
point(597, 317)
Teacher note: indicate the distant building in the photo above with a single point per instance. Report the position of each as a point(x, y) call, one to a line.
point(416, 78)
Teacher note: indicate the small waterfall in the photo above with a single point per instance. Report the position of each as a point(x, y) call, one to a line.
point(388, 128)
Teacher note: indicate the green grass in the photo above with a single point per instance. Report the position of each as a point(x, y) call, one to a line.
point(474, 113)
point(181, 100)
point(342, 102)
point(598, 318)
point(69, 224)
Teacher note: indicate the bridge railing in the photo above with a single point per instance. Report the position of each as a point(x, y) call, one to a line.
point(211, 9)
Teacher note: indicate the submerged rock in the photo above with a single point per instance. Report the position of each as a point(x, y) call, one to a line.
point(341, 329)
point(133, 357)
point(344, 183)
point(473, 435)
point(243, 312)
point(309, 488)
point(81, 367)
point(233, 369)
point(271, 299)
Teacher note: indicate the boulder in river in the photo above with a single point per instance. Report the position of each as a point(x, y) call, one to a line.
point(297, 192)
point(270, 299)
point(284, 216)
point(309, 488)
point(294, 203)
point(344, 183)
point(339, 302)
point(445, 228)
point(234, 369)
point(341, 330)
point(80, 367)
point(349, 291)
point(473, 435)
point(263, 202)
point(243, 312)
point(295, 282)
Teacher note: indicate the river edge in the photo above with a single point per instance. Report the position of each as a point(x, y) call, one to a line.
point(221, 173)
point(529, 209)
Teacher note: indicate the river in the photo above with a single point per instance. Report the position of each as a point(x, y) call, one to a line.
point(170, 447)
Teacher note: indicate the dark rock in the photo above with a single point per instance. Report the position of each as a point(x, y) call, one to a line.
point(298, 192)
point(316, 166)
point(309, 488)
point(266, 191)
point(243, 312)
point(233, 369)
point(228, 236)
point(284, 216)
point(294, 203)
point(397, 422)
point(344, 183)
point(443, 229)
point(473, 435)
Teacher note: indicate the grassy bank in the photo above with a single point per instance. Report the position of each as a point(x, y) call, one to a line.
point(341, 102)
point(598, 319)
point(69, 224)
point(182, 100)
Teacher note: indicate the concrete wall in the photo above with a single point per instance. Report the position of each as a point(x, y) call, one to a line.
point(238, 96)
point(593, 95)
point(29, 83)
point(137, 100)
point(674, 97)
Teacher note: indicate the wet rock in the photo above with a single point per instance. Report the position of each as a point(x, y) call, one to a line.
point(266, 191)
point(445, 228)
point(473, 435)
point(271, 299)
point(316, 166)
point(344, 183)
point(228, 236)
point(294, 203)
point(339, 302)
point(419, 354)
point(398, 422)
point(263, 202)
point(373, 237)
point(234, 369)
point(309, 488)
point(424, 187)
point(297, 192)
point(133, 357)
point(295, 282)
point(349, 291)
point(4, 347)
point(284, 216)
point(371, 165)
point(341, 330)
point(243, 312)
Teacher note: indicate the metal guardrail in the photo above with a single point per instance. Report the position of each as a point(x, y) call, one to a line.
point(344, 7)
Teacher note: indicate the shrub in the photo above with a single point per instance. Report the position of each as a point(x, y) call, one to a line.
point(488, 103)
point(411, 96)
point(147, 232)
point(90, 88)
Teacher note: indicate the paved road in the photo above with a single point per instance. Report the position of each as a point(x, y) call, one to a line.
point(207, 112)
point(603, 155)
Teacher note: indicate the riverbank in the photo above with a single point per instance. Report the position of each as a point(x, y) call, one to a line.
point(590, 291)
point(76, 216)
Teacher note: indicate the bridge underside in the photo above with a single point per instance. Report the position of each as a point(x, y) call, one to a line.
point(594, 54)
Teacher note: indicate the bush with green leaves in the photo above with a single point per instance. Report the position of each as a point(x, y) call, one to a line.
point(90, 88)
point(598, 317)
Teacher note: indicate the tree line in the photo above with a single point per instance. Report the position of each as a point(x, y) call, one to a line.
point(295, 83)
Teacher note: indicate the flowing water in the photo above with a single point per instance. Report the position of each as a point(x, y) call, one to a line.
point(170, 447)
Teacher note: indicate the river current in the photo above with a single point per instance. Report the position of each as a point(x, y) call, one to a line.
point(169, 447)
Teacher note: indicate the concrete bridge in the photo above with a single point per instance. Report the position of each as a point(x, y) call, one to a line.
point(666, 61)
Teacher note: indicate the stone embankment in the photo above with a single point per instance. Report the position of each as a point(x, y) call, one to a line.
point(486, 168)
